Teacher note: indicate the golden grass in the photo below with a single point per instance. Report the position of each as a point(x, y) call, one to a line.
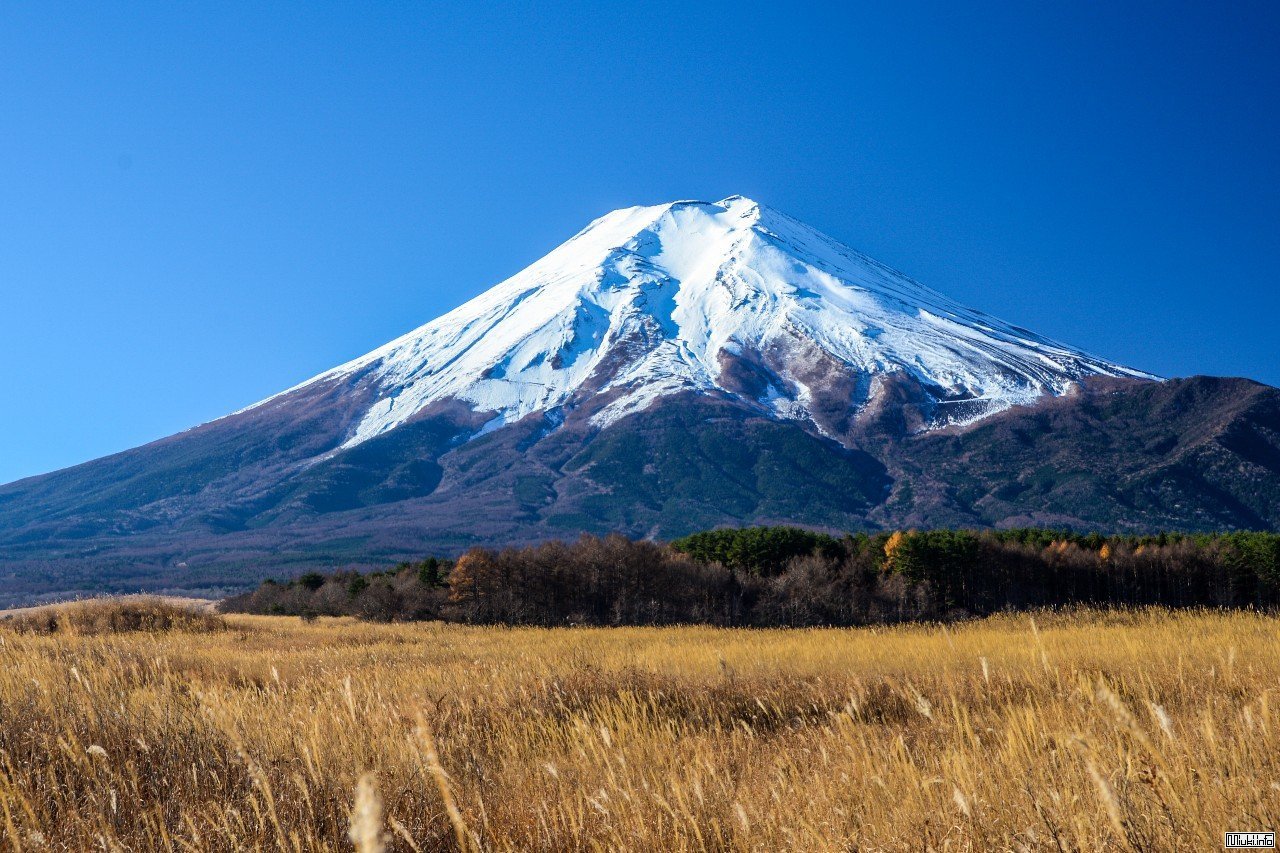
point(1141, 731)
point(113, 616)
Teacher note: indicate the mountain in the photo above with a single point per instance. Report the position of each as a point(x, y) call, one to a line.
point(666, 369)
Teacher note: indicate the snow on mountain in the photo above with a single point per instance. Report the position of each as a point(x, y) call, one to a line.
point(650, 301)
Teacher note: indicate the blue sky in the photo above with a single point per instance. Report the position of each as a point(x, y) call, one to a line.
point(202, 204)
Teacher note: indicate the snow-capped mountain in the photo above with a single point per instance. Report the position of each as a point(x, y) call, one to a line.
point(728, 297)
point(668, 369)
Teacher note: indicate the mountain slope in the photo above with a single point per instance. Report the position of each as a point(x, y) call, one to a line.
point(667, 369)
point(1194, 454)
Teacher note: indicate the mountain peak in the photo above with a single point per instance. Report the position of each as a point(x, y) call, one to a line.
point(728, 299)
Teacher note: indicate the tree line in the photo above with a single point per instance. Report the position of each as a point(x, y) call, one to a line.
point(773, 576)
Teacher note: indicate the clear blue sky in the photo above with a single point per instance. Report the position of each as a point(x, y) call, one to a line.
point(201, 204)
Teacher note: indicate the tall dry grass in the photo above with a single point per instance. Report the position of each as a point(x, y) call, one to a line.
point(1139, 731)
point(113, 616)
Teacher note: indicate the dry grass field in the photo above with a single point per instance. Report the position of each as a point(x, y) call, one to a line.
point(1135, 731)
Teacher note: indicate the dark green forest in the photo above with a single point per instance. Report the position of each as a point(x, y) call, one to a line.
point(767, 576)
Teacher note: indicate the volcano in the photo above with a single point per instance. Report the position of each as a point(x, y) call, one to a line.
point(668, 368)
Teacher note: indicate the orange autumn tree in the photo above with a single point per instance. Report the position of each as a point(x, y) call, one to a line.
point(893, 546)
point(473, 580)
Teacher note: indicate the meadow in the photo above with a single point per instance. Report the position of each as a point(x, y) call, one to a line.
point(1086, 730)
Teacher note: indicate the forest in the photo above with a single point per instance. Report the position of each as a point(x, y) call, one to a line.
point(785, 576)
